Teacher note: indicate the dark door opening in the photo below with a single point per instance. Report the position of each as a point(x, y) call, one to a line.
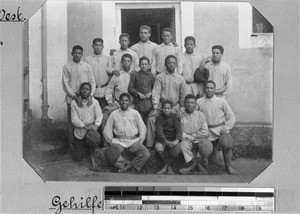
point(157, 19)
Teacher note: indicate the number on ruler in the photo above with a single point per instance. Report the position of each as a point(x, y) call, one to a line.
point(258, 208)
point(224, 207)
point(242, 208)
point(190, 207)
point(156, 207)
point(207, 207)
point(140, 207)
point(122, 207)
point(173, 207)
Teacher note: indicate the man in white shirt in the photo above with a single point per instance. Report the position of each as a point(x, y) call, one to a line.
point(145, 46)
point(219, 72)
point(125, 131)
point(115, 61)
point(220, 120)
point(86, 120)
point(163, 50)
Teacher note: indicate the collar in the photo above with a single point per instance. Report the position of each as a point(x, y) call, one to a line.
point(193, 54)
point(124, 72)
point(210, 99)
point(149, 42)
point(185, 113)
point(145, 72)
point(120, 50)
point(173, 74)
point(99, 55)
point(170, 44)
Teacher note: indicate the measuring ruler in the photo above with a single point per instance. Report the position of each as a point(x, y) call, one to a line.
point(189, 198)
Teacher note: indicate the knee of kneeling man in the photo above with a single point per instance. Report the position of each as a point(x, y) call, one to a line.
point(205, 148)
point(184, 144)
point(226, 141)
point(159, 147)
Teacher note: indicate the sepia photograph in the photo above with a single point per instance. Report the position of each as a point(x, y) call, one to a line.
point(148, 91)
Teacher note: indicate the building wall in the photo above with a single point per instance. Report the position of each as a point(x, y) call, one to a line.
point(252, 67)
point(84, 24)
point(35, 64)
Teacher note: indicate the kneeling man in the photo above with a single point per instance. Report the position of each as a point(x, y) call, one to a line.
point(168, 132)
point(194, 137)
point(220, 119)
point(86, 120)
point(125, 131)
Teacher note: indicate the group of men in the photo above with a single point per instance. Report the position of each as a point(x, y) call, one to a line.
point(146, 97)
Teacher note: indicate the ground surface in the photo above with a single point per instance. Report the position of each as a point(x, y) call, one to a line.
point(53, 166)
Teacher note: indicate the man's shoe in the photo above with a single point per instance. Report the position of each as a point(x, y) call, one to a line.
point(230, 170)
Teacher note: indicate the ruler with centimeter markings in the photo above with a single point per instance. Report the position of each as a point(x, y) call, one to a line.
point(189, 198)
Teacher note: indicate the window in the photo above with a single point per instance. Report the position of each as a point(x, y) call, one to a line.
point(259, 23)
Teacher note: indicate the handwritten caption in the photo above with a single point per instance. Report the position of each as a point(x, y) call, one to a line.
point(89, 203)
point(11, 17)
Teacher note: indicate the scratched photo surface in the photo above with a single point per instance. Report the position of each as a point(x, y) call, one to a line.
point(50, 34)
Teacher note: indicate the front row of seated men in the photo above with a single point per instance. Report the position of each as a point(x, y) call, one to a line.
point(183, 131)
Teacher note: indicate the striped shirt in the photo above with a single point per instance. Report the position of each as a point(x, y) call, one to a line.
point(99, 64)
point(74, 74)
point(125, 123)
point(217, 113)
point(84, 116)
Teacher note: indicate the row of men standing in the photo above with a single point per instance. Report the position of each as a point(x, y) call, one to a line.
point(110, 76)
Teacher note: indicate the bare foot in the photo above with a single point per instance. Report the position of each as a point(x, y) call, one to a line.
point(201, 169)
point(230, 170)
point(163, 170)
point(94, 165)
point(170, 171)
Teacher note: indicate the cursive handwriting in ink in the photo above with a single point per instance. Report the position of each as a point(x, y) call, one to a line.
point(87, 204)
point(11, 17)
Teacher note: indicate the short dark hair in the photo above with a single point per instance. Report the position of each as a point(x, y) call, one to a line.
point(124, 94)
point(189, 38)
point(209, 81)
point(98, 40)
point(124, 35)
point(85, 83)
point(166, 102)
point(126, 55)
point(167, 29)
point(144, 58)
point(189, 96)
point(168, 57)
point(77, 47)
point(146, 27)
point(220, 47)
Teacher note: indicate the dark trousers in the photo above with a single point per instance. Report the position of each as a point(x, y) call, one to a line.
point(102, 102)
point(81, 147)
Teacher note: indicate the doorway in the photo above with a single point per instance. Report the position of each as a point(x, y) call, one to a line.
point(157, 19)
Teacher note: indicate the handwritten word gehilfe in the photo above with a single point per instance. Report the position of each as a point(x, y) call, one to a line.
point(11, 17)
point(87, 204)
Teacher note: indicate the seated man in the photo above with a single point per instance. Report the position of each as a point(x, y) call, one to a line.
point(220, 119)
point(125, 131)
point(86, 120)
point(194, 137)
point(169, 134)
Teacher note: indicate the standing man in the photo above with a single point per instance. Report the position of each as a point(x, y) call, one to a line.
point(125, 131)
point(74, 74)
point(219, 72)
point(145, 46)
point(115, 61)
point(99, 64)
point(86, 120)
point(191, 60)
point(163, 50)
point(220, 119)
point(168, 86)
point(140, 86)
point(194, 137)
